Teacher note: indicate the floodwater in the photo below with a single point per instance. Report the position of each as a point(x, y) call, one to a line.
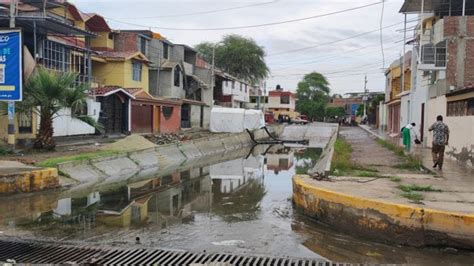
point(238, 206)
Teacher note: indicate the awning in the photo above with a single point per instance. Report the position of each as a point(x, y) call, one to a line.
point(45, 25)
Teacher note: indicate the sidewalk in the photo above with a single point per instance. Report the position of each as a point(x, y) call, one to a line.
point(404, 206)
point(452, 170)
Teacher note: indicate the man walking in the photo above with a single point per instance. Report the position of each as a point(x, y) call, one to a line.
point(440, 140)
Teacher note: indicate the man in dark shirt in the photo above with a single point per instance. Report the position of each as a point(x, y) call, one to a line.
point(440, 140)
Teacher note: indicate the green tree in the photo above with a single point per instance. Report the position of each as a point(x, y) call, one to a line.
point(313, 95)
point(237, 55)
point(335, 111)
point(46, 93)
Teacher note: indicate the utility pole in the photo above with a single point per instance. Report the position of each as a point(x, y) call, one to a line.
point(366, 96)
point(11, 104)
point(213, 79)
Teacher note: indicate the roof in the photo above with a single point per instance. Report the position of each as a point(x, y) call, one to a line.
point(189, 101)
point(96, 23)
point(109, 90)
point(199, 81)
point(169, 64)
point(461, 91)
point(141, 95)
point(278, 93)
point(125, 55)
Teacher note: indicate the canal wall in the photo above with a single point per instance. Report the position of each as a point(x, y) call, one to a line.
point(387, 221)
point(142, 164)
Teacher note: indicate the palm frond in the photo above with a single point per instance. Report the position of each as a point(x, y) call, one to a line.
point(91, 122)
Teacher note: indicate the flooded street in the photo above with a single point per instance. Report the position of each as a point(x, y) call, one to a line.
point(242, 205)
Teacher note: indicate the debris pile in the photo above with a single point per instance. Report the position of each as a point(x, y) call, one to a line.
point(163, 139)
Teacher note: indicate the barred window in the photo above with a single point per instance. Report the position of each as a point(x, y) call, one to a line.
point(137, 71)
point(167, 111)
point(461, 108)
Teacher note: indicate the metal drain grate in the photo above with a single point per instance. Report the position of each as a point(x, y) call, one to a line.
point(22, 252)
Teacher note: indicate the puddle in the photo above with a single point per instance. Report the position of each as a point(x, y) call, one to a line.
point(238, 206)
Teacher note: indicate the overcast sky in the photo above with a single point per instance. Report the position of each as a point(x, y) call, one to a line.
point(343, 61)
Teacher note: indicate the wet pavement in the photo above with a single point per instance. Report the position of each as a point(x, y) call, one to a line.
point(240, 206)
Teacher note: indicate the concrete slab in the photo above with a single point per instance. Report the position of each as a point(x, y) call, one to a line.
point(117, 167)
point(145, 159)
point(190, 150)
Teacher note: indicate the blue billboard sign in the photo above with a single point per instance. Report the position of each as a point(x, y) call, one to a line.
point(11, 69)
point(354, 108)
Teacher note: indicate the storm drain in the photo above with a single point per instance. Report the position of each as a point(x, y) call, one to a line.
point(22, 252)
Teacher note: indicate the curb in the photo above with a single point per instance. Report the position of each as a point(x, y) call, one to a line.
point(29, 180)
point(386, 221)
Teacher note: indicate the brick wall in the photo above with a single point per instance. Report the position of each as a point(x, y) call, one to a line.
point(126, 41)
point(456, 35)
point(171, 124)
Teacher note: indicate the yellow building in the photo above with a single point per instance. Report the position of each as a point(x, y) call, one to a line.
point(122, 69)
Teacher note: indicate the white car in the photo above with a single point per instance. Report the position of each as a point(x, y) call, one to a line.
point(299, 121)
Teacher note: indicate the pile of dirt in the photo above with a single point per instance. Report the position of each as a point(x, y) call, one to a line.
point(133, 142)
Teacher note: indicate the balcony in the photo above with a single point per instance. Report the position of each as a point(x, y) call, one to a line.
point(188, 68)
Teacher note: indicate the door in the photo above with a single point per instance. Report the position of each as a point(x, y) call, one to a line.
point(201, 119)
point(185, 116)
point(142, 118)
point(422, 124)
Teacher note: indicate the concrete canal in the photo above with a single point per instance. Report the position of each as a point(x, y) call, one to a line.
point(240, 204)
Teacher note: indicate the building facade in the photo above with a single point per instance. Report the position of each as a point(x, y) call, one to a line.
point(442, 73)
point(282, 102)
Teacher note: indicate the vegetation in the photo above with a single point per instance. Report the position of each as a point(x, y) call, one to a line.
point(395, 179)
point(238, 56)
point(416, 197)
point(46, 93)
point(410, 162)
point(313, 96)
point(53, 162)
point(341, 160)
point(414, 187)
point(335, 112)
point(365, 173)
point(3, 151)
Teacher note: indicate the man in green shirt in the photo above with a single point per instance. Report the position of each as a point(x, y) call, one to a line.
point(440, 140)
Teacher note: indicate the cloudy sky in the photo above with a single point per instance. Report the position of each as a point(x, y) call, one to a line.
point(344, 46)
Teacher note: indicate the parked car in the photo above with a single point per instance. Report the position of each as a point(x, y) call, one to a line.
point(300, 120)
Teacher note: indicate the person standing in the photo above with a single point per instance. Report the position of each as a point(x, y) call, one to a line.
point(440, 140)
point(406, 134)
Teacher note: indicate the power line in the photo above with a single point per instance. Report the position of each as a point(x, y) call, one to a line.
point(381, 35)
point(204, 12)
point(249, 26)
point(336, 41)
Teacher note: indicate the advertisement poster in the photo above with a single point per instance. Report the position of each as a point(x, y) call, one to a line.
point(10, 65)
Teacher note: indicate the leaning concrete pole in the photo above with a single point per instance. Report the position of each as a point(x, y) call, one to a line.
point(11, 104)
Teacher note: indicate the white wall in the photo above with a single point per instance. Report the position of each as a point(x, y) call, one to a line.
point(274, 102)
point(461, 127)
point(238, 95)
point(65, 125)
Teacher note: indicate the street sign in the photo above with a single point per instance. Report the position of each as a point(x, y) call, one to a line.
point(11, 69)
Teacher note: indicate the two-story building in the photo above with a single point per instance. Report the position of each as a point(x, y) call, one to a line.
point(281, 102)
point(57, 37)
point(394, 91)
point(442, 73)
point(230, 91)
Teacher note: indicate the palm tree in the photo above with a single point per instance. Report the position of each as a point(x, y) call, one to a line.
point(46, 92)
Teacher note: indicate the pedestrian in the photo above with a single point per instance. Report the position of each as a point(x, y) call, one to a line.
point(407, 132)
point(440, 140)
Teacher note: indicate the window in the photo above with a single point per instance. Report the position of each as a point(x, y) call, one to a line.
point(284, 99)
point(137, 71)
point(142, 45)
point(25, 122)
point(245, 87)
point(165, 51)
point(111, 36)
point(241, 86)
point(233, 84)
point(253, 99)
point(167, 111)
point(226, 83)
point(81, 110)
point(461, 108)
point(177, 78)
